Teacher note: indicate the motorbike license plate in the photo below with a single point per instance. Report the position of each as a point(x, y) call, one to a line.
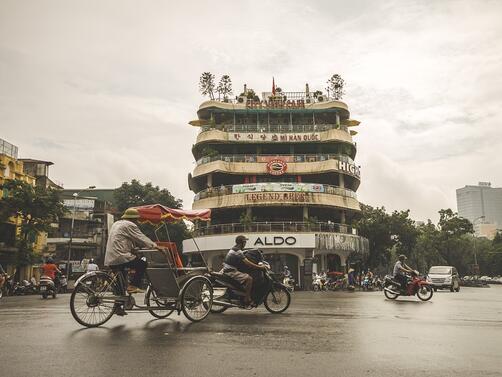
point(43, 288)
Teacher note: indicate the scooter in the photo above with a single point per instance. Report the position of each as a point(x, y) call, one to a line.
point(367, 284)
point(416, 285)
point(47, 287)
point(289, 283)
point(268, 291)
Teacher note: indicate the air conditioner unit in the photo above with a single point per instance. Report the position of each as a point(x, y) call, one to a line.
point(321, 98)
point(242, 99)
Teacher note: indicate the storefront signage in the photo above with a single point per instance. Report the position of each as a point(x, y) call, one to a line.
point(79, 204)
point(297, 197)
point(280, 138)
point(277, 167)
point(274, 241)
point(341, 243)
point(277, 187)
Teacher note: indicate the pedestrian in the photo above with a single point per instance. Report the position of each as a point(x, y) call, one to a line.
point(92, 266)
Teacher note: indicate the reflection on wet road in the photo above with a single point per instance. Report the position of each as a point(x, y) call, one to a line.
point(346, 334)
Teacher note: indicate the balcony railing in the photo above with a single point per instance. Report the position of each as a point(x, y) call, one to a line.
point(274, 187)
point(266, 158)
point(275, 227)
point(271, 128)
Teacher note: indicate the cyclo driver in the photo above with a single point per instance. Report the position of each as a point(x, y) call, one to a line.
point(234, 264)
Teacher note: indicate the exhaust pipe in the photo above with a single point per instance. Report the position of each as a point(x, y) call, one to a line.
point(391, 291)
point(225, 304)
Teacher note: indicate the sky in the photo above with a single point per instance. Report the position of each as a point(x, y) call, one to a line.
point(105, 89)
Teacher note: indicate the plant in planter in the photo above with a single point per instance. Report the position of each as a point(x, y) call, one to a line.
point(247, 220)
point(224, 88)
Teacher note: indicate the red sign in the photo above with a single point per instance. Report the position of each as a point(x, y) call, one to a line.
point(277, 167)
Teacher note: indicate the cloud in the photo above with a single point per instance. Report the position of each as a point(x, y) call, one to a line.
point(105, 90)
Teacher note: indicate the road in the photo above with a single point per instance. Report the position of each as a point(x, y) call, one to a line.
point(322, 334)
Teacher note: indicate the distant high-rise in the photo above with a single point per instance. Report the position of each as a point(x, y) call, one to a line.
point(474, 202)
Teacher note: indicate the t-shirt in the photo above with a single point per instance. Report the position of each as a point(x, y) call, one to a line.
point(234, 259)
point(397, 268)
point(92, 267)
point(50, 270)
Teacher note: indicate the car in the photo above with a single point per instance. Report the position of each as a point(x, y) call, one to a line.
point(441, 277)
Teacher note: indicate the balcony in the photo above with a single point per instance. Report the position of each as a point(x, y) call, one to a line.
point(264, 158)
point(275, 227)
point(274, 187)
point(270, 128)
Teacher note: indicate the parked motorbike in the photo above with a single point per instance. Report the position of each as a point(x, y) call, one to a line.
point(367, 284)
point(23, 288)
point(47, 287)
point(417, 285)
point(319, 283)
point(289, 283)
point(267, 290)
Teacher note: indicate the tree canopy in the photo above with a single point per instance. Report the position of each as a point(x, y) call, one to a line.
point(35, 208)
point(206, 84)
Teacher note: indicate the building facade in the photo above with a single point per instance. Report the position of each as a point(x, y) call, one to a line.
point(482, 205)
point(279, 169)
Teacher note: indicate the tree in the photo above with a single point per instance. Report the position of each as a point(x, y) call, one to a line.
point(206, 84)
point(35, 209)
point(335, 86)
point(224, 87)
point(136, 194)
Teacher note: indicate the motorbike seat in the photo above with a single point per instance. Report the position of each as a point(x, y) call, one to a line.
point(226, 279)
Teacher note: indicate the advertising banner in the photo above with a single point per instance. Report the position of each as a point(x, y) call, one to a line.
point(275, 138)
point(277, 187)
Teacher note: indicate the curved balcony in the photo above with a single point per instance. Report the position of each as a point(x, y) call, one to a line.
point(274, 187)
point(277, 128)
point(297, 164)
point(279, 198)
point(330, 135)
point(275, 227)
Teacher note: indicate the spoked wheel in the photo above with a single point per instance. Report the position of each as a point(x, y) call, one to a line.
point(277, 300)
point(197, 298)
point(152, 299)
point(425, 292)
point(90, 302)
point(390, 295)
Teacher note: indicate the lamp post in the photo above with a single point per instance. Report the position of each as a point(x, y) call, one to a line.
point(475, 248)
point(70, 243)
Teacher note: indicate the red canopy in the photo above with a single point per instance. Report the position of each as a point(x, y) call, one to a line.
point(156, 213)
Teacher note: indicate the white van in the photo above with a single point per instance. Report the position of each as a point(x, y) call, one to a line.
point(444, 277)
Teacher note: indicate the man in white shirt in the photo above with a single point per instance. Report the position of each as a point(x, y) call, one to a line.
point(92, 266)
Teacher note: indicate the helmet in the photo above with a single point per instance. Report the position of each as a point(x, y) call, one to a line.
point(91, 261)
point(402, 257)
point(286, 267)
point(241, 239)
point(50, 260)
point(131, 213)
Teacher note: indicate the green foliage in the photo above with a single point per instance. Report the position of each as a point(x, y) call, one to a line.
point(224, 87)
point(450, 242)
point(35, 208)
point(136, 194)
point(206, 84)
point(335, 86)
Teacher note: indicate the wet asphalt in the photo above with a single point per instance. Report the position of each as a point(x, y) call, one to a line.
point(322, 334)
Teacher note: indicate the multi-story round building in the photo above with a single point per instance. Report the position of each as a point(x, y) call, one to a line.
point(280, 170)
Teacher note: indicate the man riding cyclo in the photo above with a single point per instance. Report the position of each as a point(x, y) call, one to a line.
point(125, 236)
point(400, 271)
point(235, 264)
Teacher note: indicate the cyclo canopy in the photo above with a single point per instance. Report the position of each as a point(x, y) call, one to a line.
point(157, 213)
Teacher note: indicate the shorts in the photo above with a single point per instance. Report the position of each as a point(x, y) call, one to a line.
point(241, 277)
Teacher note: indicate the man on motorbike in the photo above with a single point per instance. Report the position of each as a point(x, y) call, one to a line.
point(124, 236)
point(400, 271)
point(235, 262)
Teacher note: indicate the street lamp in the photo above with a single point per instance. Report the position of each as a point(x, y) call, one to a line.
point(70, 243)
point(475, 251)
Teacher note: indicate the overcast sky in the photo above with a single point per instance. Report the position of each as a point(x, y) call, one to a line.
point(105, 89)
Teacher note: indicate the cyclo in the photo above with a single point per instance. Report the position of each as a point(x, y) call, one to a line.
point(98, 295)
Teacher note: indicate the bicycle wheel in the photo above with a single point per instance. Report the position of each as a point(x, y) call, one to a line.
point(277, 300)
point(91, 303)
point(152, 299)
point(197, 298)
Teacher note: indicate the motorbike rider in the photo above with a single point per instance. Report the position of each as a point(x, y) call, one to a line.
point(92, 266)
point(400, 271)
point(235, 262)
point(50, 269)
point(124, 236)
point(3, 276)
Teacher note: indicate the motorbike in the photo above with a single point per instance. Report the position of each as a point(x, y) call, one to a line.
point(267, 289)
point(319, 284)
point(23, 288)
point(367, 284)
point(289, 283)
point(417, 285)
point(47, 287)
